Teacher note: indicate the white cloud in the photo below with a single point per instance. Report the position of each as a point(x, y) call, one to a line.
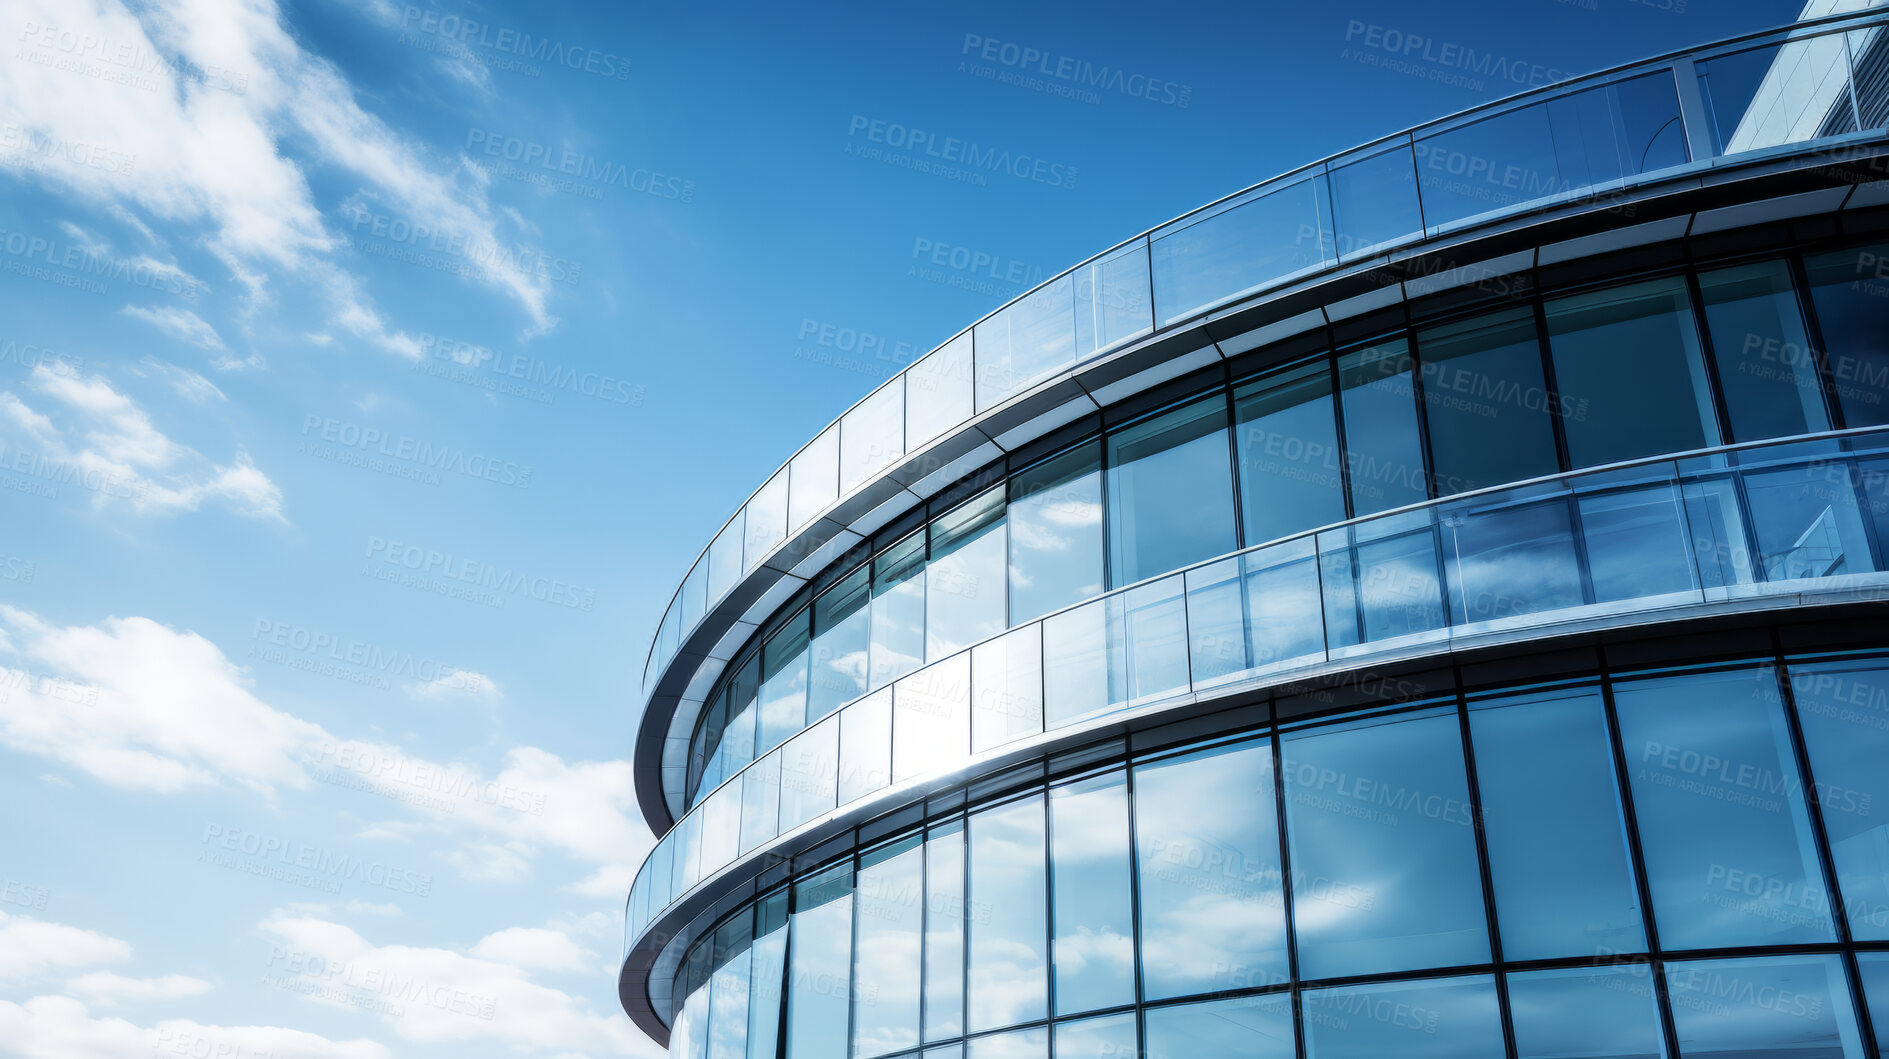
point(179, 323)
point(538, 948)
point(104, 442)
point(456, 685)
point(108, 989)
point(448, 996)
point(190, 152)
point(187, 384)
point(33, 949)
point(56, 1027)
point(493, 862)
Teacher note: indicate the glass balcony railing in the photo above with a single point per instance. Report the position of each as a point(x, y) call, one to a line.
point(1582, 140)
point(1768, 519)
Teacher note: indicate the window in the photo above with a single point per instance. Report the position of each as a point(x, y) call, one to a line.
point(783, 684)
point(1026, 341)
point(865, 746)
point(1367, 803)
point(820, 965)
point(1258, 1027)
point(1766, 369)
point(813, 478)
point(1875, 968)
point(809, 771)
point(1454, 1017)
point(1485, 402)
point(938, 390)
point(1808, 523)
point(1056, 533)
point(931, 719)
point(1850, 290)
point(760, 803)
point(1170, 491)
point(728, 985)
point(1630, 372)
point(1291, 470)
point(872, 435)
point(1725, 833)
point(1107, 1037)
point(1779, 1005)
point(964, 584)
point(1604, 1011)
point(1382, 446)
point(766, 519)
point(944, 931)
point(1380, 579)
point(1844, 710)
point(1557, 841)
point(898, 611)
point(1093, 953)
point(1510, 554)
point(1008, 923)
point(841, 635)
point(1022, 1044)
point(887, 934)
point(1007, 688)
point(766, 982)
point(1212, 914)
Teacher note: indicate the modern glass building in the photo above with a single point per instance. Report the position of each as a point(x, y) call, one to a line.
point(1427, 604)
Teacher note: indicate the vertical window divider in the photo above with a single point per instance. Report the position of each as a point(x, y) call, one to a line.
point(1709, 352)
point(1134, 895)
point(1482, 863)
point(1556, 419)
point(1813, 333)
point(1813, 804)
point(1285, 886)
point(1049, 918)
point(1656, 964)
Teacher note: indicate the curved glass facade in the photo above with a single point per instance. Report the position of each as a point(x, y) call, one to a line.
point(1683, 862)
point(1573, 143)
point(1458, 404)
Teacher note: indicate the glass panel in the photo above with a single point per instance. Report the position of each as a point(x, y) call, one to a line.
point(728, 1004)
point(1784, 93)
point(1170, 491)
point(931, 719)
point(1022, 1044)
point(1383, 447)
point(898, 611)
point(1844, 710)
point(1385, 584)
point(841, 636)
point(814, 478)
point(1213, 914)
point(1257, 1027)
point(783, 684)
point(1075, 664)
point(1508, 558)
point(1056, 533)
point(1291, 478)
point(944, 931)
point(1238, 250)
point(1601, 1012)
point(688, 843)
point(1107, 1037)
point(1643, 332)
point(964, 584)
point(760, 803)
point(689, 1039)
point(1093, 952)
point(721, 828)
point(1029, 340)
point(1807, 522)
point(1374, 201)
point(694, 594)
point(1007, 688)
point(1850, 290)
point(1636, 544)
point(809, 768)
point(820, 967)
point(1372, 802)
point(1009, 930)
point(724, 558)
point(1216, 623)
point(887, 949)
point(1485, 402)
point(1766, 369)
point(766, 519)
point(1113, 300)
point(1283, 603)
point(765, 987)
point(1147, 642)
point(1557, 840)
point(1875, 970)
point(1867, 56)
point(1783, 1006)
point(1718, 533)
point(938, 392)
point(865, 746)
point(1445, 1018)
point(872, 435)
point(1723, 826)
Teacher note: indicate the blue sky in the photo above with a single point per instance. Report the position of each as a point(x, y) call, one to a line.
point(534, 294)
